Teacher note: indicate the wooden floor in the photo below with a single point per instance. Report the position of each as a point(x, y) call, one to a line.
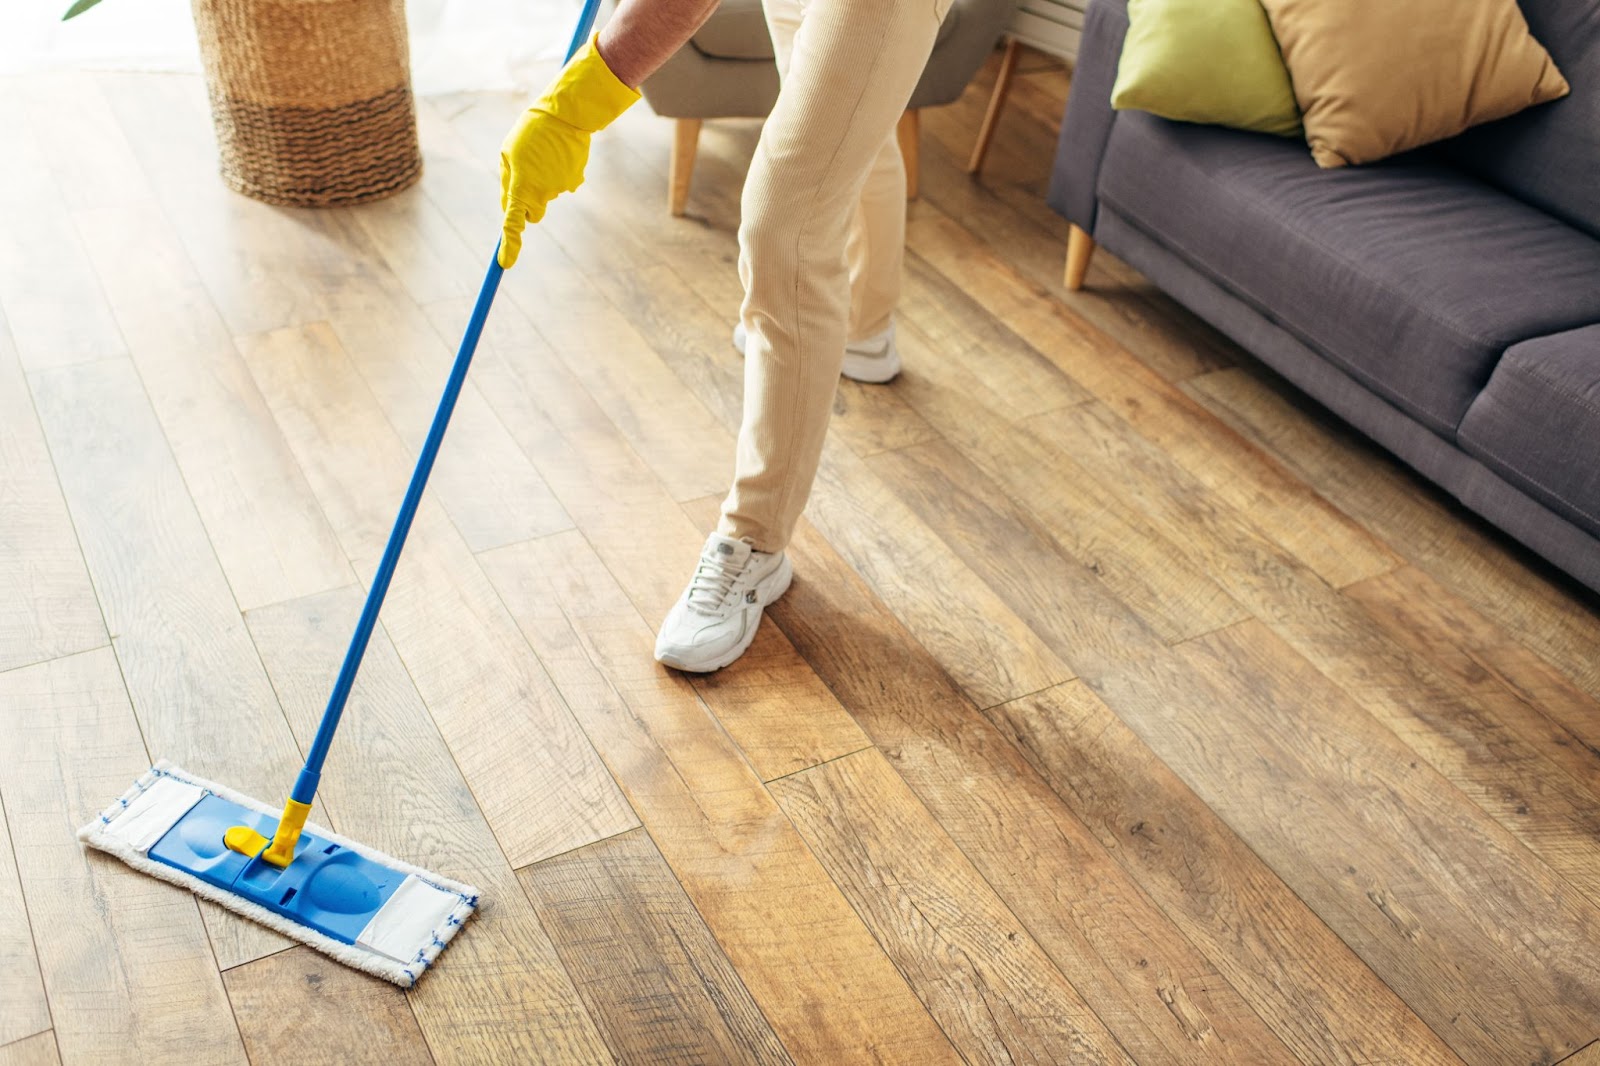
point(1125, 706)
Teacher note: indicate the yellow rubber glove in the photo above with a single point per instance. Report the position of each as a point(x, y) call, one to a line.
point(544, 154)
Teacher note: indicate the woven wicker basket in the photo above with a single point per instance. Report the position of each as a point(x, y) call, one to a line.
point(311, 98)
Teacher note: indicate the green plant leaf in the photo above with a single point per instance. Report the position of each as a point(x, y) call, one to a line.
point(78, 8)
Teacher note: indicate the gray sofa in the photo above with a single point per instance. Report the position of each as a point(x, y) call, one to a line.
point(1446, 303)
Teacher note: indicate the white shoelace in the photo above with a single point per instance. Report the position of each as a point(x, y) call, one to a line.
point(713, 580)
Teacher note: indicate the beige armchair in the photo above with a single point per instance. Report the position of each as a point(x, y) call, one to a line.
point(727, 71)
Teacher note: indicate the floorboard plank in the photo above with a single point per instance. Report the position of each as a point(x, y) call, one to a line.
point(1144, 980)
point(1014, 222)
point(1435, 897)
point(298, 1004)
point(195, 680)
point(688, 335)
point(42, 257)
point(1545, 709)
point(617, 914)
point(814, 969)
point(1547, 613)
point(1306, 525)
point(267, 530)
point(91, 163)
point(1314, 992)
point(395, 785)
point(1016, 380)
point(1461, 734)
point(668, 426)
point(612, 495)
point(47, 604)
point(538, 780)
point(1062, 600)
point(440, 140)
point(983, 644)
point(23, 1008)
point(1088, 520)
point(939, 920)
point(482, 479)
point(264, 267)
point(37, 1050)
point(127, 967)
point(418, 244)
point(1588, 1056)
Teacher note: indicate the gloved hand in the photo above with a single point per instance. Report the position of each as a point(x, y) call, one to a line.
point(544, 154)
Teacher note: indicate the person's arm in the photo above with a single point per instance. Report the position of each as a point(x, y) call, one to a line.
point(544, 154)
point(643, 34)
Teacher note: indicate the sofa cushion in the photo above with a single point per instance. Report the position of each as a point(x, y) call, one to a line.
point(1409, 275)
point(736, 30)
point(1550, 155)
point(1212, 61)
point(1374, 78)
point(1537, 423)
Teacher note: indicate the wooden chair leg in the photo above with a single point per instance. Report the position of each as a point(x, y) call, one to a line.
point(909, 134)
point(1080, 246)
point(997, 102)
point(685, 140)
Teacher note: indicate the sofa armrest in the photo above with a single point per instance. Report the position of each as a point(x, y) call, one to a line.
point(1087, 125)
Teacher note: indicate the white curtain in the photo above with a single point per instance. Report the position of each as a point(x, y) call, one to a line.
point(455, 44)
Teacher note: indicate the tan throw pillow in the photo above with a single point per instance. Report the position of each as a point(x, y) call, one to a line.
point(1376, 77)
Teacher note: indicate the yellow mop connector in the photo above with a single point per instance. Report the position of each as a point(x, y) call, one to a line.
point(280, 850)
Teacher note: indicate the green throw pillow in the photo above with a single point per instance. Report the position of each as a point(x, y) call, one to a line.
point(1212, 61)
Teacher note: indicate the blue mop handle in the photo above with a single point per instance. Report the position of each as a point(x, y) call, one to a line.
point(305, 786)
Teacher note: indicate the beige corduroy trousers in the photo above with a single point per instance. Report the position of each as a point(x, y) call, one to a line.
point(822, 236)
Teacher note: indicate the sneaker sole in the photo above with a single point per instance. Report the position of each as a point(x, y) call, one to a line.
point(781, 579)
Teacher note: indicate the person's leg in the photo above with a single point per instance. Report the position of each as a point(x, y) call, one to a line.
point(876, 249)
point(848, 69)
point(853, 66)
point(875, 254)
point(876, 243)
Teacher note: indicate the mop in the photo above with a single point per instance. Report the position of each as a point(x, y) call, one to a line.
point(353, 903)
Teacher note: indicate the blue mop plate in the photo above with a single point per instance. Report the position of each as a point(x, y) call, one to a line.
point(327, 887)
point(359, 906)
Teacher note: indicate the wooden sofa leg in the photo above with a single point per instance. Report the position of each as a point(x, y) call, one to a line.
point(997, 102)
point(685, 140)
point(1080, 246)
point(909, 133)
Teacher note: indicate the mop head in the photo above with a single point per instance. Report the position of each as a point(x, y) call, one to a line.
point(356, 905)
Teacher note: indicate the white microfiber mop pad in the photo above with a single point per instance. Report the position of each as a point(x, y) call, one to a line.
point(399, 943)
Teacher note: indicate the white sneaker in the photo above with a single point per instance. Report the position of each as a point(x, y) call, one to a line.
point(715, 619)
point(873, 361)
